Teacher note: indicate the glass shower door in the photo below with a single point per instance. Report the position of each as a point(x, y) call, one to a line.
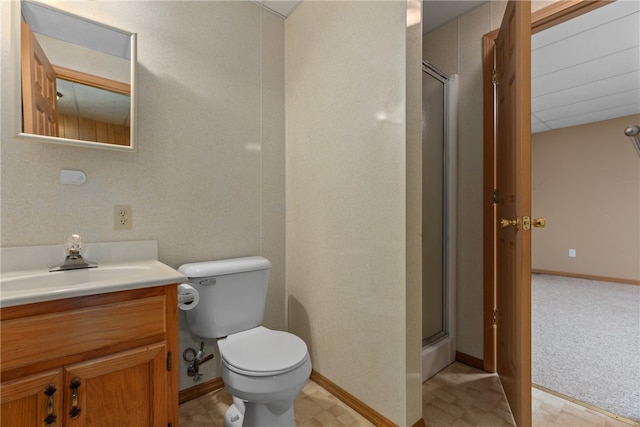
point(434, 190)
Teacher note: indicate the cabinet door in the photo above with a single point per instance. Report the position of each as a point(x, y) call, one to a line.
point(123, 389)
point(34, 401)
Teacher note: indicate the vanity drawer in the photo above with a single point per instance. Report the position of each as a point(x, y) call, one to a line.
point(57, 334)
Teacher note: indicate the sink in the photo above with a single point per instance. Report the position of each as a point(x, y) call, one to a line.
point(63, 279)
point(25, 276)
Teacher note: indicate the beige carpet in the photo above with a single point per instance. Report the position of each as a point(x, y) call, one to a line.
point(586, 341)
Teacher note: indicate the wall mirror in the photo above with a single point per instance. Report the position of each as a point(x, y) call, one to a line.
point(77, 79)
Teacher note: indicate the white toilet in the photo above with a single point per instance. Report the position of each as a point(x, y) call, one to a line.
point(263, 369)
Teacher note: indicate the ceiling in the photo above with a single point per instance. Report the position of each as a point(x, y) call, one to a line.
point(587, 69)
point(584, 70)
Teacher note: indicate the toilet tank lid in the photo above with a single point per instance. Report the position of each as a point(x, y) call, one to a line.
point(225, 266)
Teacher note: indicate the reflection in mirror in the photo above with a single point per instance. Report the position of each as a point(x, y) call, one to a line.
point(77, 79)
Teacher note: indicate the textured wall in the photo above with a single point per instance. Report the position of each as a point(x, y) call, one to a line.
point(413, 309)
point(586, 182)
point(346, 83)
point(207, 181)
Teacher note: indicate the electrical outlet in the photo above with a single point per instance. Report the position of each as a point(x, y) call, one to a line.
point(572, 253)
point(122, 217)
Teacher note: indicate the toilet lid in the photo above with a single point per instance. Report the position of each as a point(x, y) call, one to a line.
point(262, 351)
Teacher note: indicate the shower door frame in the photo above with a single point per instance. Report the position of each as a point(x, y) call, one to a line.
point(449, 204)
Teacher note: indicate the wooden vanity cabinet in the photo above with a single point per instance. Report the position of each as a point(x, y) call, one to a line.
point(25, 401)
point(102, 360)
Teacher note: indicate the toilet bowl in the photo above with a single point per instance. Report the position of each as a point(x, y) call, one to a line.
point(263, 369)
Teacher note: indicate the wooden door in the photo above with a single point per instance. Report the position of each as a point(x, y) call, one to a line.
point(34, 401)
point(513, 183)
point(39, 95)
point(124, 389)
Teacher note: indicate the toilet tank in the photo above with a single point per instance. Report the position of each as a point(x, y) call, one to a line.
point(233, 294)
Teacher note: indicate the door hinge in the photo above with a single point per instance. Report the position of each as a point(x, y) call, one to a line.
point(495, 316)
point(494, 77)
point(496, 196)
point(169, 363)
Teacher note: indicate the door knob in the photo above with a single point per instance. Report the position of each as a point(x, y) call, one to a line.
point(504, 223)
point(539, 222)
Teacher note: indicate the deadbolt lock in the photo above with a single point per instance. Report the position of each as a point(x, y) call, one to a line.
point(527, 222)
point(539, 222)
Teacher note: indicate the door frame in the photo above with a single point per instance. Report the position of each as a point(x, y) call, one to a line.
point(540, 20)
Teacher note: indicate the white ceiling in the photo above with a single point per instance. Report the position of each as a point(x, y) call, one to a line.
point(92, 103)
point(587, 69)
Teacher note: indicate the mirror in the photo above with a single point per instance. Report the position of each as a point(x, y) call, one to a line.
point(77, 79)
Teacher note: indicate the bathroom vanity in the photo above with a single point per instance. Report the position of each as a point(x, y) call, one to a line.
point(107, 357)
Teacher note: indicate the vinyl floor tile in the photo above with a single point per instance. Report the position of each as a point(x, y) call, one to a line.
point(314, 407)
point(459, 396)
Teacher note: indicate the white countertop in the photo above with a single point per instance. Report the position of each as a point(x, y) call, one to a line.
point(25, 276)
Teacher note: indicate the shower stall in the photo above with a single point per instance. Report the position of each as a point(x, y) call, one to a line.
point(439, 154)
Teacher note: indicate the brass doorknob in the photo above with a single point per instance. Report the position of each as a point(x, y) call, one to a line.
point(504, 223)
point(539, 222)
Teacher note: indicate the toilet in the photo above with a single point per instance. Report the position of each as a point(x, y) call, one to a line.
point(263, 369)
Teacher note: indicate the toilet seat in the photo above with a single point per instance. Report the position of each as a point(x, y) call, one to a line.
point(263, 352)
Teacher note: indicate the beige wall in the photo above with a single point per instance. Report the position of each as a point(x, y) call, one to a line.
point(413, 226)
point(456, 48)
point(346, 84)
point(207, 181)
point(586, 182)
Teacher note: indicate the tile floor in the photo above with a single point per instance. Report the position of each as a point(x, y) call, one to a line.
point(314, 407)
point(464, 396)
point(458, 396)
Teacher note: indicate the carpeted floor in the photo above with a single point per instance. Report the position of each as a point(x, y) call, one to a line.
point(586, 341)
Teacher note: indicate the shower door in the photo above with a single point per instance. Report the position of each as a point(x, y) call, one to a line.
point(438, 176)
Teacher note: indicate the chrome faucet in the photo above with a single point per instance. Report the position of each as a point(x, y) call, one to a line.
point(74, 260)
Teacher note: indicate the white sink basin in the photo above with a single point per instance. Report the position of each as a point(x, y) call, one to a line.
point(62, 279)
point(26, 284)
